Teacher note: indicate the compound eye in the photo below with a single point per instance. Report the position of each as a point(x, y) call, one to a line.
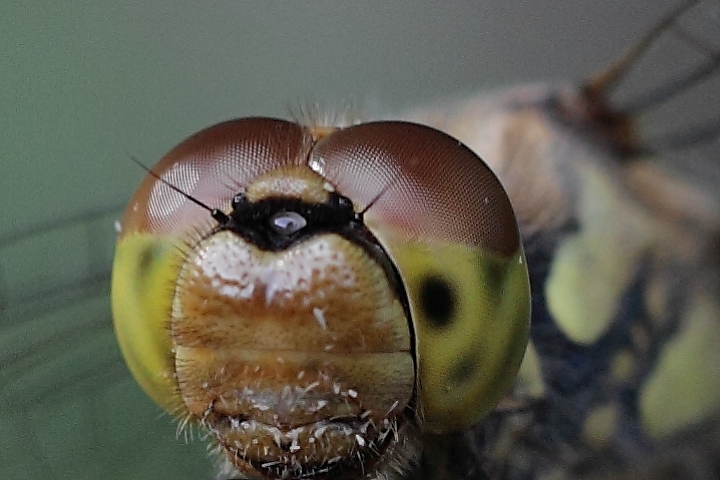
point(421, 183)
point(214, 166)
point(287, 223)
point(449, 229)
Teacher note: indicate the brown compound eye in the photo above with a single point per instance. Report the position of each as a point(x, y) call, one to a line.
point(212, 166)
point(420, 182)
point(449, 228)
point(360, 287)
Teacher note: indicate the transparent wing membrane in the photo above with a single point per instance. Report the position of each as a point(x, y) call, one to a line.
point(69, 408)
point(55, 281)
point(671, 88)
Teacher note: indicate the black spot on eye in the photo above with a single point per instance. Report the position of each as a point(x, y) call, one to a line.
point(495, 276)
point(437, 301)
point(464, 370)
point(146, 258)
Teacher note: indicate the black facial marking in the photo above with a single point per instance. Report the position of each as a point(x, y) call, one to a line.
point(277, 223)
point(437, 301)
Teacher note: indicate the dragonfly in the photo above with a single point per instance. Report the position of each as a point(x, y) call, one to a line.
point(81, 412)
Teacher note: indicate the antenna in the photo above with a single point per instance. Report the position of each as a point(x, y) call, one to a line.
point(218, 215)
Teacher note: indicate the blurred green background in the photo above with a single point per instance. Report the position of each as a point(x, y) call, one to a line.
point(85, 84)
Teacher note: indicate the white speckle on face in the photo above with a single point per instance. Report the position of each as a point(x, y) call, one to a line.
point(118, 227)
point(319, 315)
point(365, 426)
point(271, 287)
point(319, 405)
point(360, 440)
point(276, 436)
point(319, 432)
point(352, 393)
point(312, 386)
point(392, 407)
point(233, 291)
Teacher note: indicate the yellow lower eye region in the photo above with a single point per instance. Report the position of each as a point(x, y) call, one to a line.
point(471, 313)
point(305, 339)
point(143, 279)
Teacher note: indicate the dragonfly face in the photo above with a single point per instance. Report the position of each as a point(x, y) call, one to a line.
point(314, 319)
point(612, 240)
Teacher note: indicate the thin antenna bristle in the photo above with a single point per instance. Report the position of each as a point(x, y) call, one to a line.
point(377, 197)
point(217, 214)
